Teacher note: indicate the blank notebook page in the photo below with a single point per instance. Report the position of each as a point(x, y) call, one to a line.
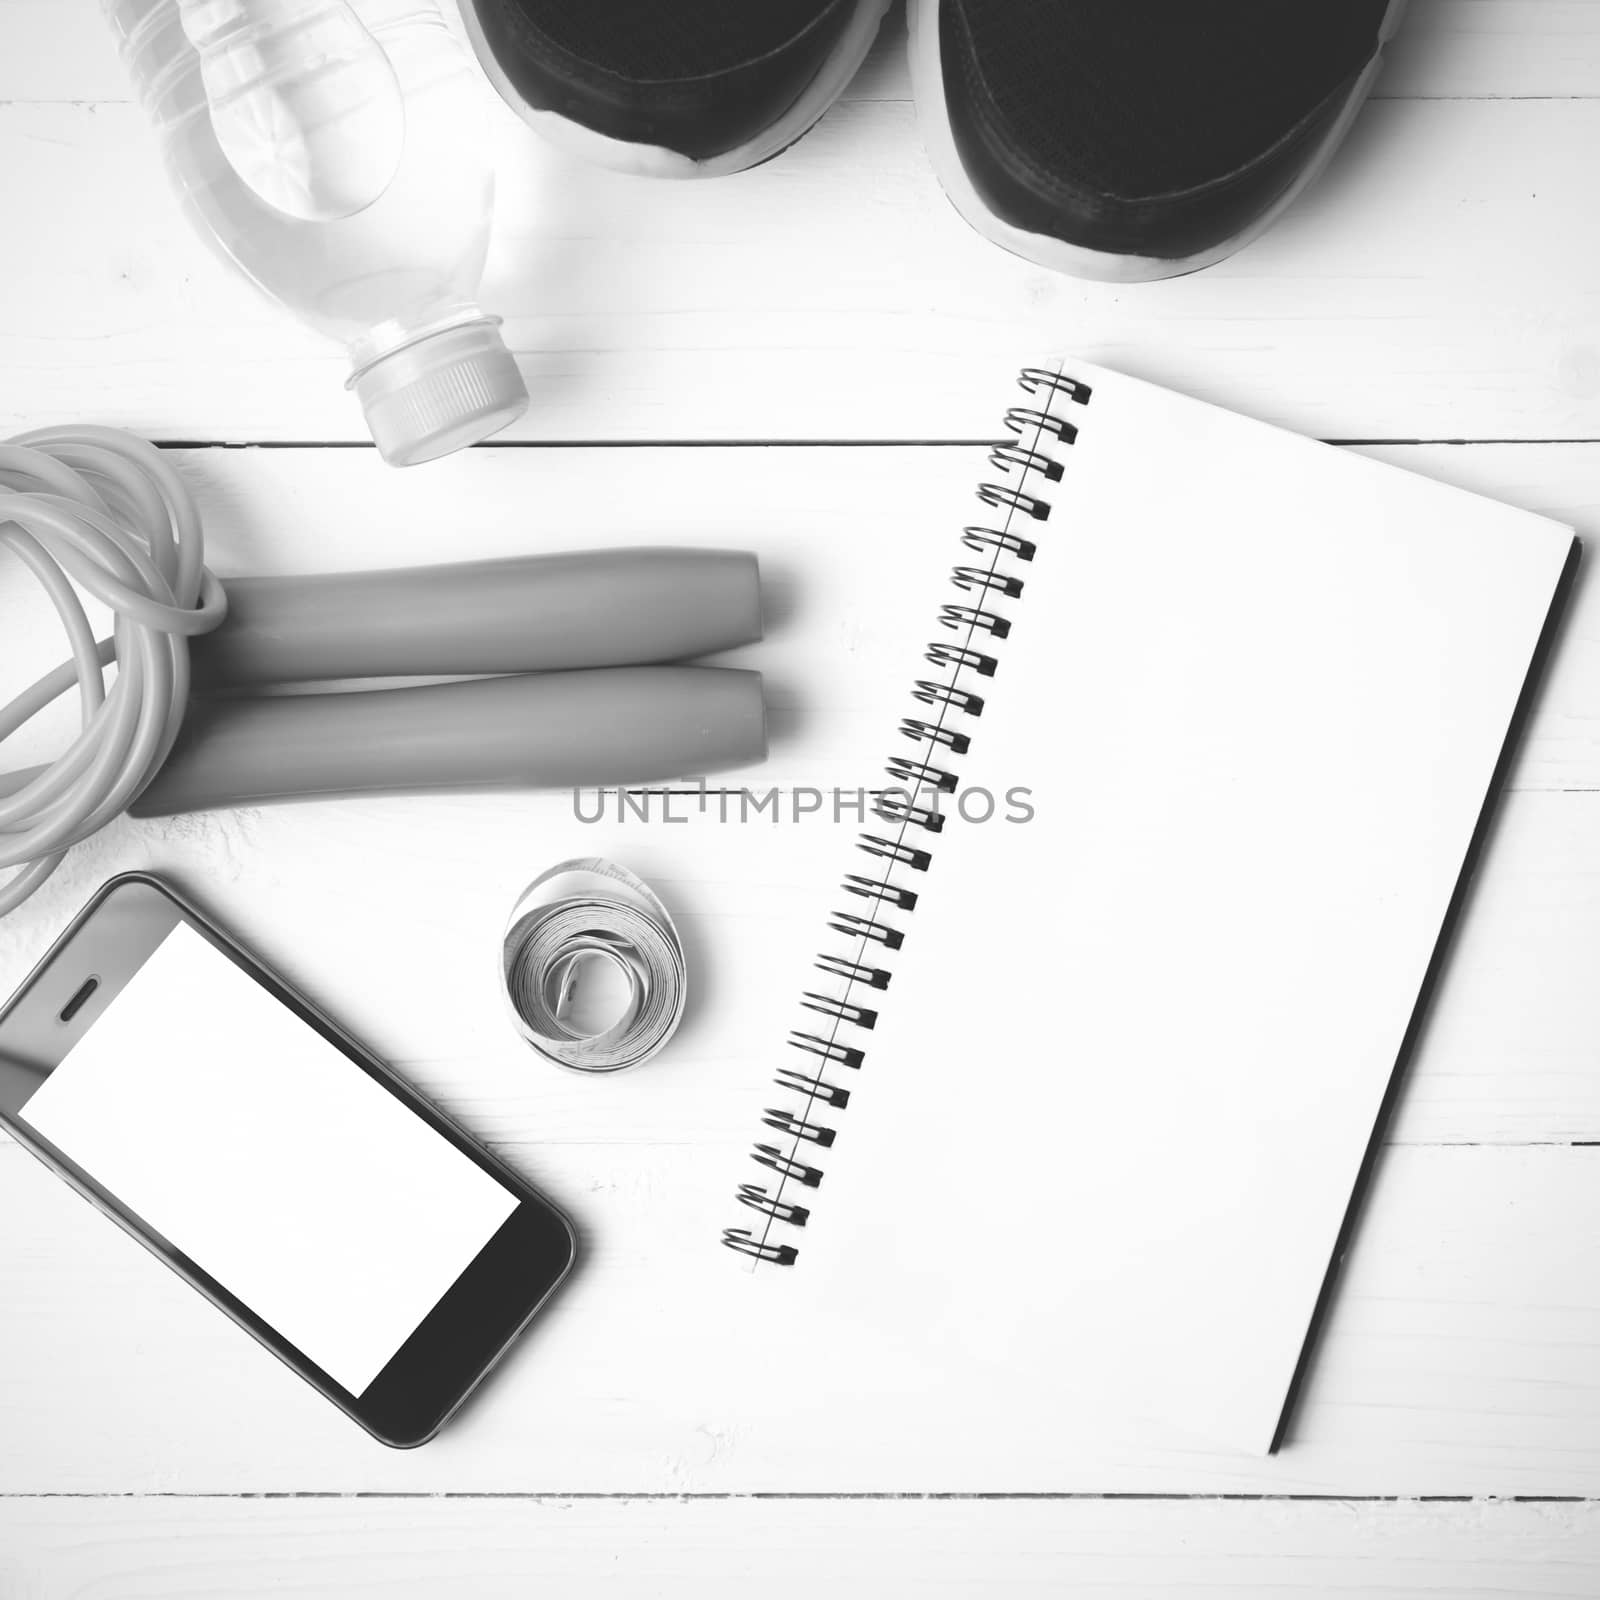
point(1119, 1095)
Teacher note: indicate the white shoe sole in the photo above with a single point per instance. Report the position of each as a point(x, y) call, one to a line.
point(655, 161)
point(933, 118)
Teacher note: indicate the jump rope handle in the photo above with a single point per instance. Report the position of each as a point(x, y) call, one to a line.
point(609, 608)
point(582, 729)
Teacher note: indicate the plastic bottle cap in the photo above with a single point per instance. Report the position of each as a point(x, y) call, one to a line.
point(441, 393)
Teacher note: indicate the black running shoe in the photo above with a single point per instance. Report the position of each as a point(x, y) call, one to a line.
point(1133, 139)
point(672, 88)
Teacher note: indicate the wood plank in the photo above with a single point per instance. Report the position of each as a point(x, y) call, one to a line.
point(334, 892)
point(388, 913)
point(801, 301)
point(1460, 1359)
point(60, 50)
point(1496, 48)
point(856, 545)
point(699, 1550)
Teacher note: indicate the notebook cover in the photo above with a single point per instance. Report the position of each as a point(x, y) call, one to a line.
point(1067, 1189)
point(1361, 1193)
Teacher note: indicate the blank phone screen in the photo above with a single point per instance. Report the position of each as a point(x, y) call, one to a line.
point(270, 1159)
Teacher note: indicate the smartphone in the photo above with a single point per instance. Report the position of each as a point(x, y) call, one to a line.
point(242, 1136)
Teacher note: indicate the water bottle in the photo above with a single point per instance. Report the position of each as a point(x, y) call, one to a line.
point(335, 153)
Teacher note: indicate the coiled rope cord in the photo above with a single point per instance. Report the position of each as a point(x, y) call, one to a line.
point(98, 508)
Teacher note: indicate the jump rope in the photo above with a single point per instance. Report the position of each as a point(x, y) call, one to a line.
point(562, 671)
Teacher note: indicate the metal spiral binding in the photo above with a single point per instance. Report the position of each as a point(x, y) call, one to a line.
point(905, 811)
point(746, 1243)
point(983, 540)
point(830, 1094)
point(962, 658)
point(857, 1016)
point(919, 775)
point(892, 850)
point(769, 1155)
point(924, 732)
point(757, 1198)
point(1004, 498)
point(925, 691)
point(1031, 458)
point(1010, 458)
point(1024, 419)
point(853, 927)
point(843, 1055)
point(798, 1128)
point(970, 620)
point(890, 894)
point(975, 580)
point(854, 971)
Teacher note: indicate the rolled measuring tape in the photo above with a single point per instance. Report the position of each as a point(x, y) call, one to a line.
point(575, 914)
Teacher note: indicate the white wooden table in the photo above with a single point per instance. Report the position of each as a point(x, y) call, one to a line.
point(830, 338)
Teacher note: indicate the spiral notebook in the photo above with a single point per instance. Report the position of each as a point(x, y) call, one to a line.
point(1184, 806)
